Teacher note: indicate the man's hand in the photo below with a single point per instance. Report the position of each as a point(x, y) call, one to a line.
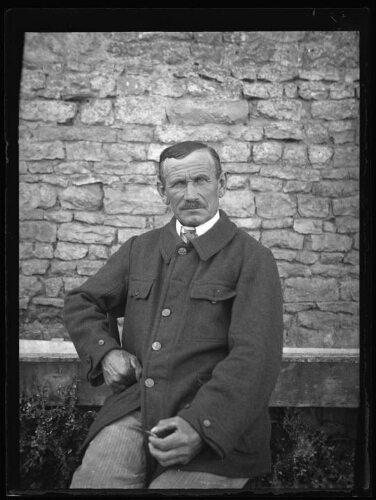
point(120, 369)
point(179, 447)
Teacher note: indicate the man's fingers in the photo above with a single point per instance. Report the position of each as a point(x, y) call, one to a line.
point(137, 367)
point(167, 458)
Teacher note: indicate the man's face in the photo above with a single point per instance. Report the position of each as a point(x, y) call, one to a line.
point(191, 187)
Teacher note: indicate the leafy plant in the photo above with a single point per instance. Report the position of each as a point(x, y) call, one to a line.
point(50, 439)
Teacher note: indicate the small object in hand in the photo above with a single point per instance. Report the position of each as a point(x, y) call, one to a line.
point(161, 434)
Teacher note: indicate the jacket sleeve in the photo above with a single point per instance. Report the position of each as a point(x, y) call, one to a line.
point(86, 308)
point(241, 384)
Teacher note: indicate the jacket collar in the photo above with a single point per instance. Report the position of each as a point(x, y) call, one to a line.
point(206, 245)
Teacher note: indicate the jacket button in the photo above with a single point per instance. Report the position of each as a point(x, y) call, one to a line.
point(187, 406)
point(156, 346)
point(135, 293)
point(101, 342)
point(182, 251)
point(166, 312)
point(207, 423)
point(213, 301)
point(88, 359)
point(149, 382)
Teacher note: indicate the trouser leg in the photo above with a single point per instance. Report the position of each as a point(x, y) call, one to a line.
point(175, 479)
point(115, 458)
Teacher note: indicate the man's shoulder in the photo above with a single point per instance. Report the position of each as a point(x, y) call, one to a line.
point(248, 241)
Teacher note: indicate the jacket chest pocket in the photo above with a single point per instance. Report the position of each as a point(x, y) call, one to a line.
point(210, 311)
point(137, 315)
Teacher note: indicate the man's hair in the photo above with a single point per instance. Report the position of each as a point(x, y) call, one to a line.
point(183, 149)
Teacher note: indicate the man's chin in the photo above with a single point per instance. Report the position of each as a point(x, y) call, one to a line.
point(192, 218)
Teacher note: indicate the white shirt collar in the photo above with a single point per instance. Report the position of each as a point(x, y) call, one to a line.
point(203, 228)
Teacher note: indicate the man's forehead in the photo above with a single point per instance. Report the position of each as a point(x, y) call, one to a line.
point(198, 160)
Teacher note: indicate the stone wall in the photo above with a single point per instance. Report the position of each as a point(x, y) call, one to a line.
point(281, 109)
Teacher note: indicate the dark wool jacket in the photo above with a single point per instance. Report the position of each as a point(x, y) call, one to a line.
point(205, 321)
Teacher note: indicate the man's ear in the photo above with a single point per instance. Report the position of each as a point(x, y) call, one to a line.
point(162, 192)
point(222, 184)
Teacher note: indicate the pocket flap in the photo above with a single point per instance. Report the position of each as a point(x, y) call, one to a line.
point(212, 291)
point(139, 288)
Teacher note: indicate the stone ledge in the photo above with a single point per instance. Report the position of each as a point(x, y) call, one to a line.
point(63, 350)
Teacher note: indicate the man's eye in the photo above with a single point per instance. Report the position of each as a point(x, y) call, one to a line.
point(201, 180)
point(178, 184)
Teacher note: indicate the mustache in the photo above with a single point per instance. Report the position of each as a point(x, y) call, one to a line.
point(192, 205)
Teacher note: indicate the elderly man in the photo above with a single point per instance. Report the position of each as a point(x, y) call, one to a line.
point(201, 343)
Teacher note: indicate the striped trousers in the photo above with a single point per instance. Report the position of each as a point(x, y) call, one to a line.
point(115, 459)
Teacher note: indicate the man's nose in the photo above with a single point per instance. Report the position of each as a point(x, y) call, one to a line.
point(190, 193)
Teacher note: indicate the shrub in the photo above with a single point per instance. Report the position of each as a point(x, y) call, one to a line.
point(50, 439)
point(303, 456)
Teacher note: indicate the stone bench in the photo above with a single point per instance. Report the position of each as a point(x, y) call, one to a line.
point(311, 377)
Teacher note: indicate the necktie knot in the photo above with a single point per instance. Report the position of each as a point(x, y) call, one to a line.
point(187, 234)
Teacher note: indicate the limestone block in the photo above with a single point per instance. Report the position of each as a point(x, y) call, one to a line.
point(29, 286)
point(40, 151)
point(34, 266)
point(43, 250)
point(295, 155)
point(247, 222)
point(98, 252)
point(63, 267)
point(240, 168)
point(289, 270)
point(41, 167)
point(32, 80)
point(275, 72)
point(72, 282)
point(135, 133)
point(262, 90)
point(310, 289)
point(329, 270)
point(251, 132)
point(318, 320)
point(141, 110)
point(277, 223)
point(319, 154)
point(48, 301)
point(267, 152)
point(84, 198)
point(90, 217)
point(53, 286)
point(171, 133)
point(346, 206)
point(124, 152)
point(349, 290)
point(331, 257)
point(84, 150)
point(97, 111)
point(88, 267)
point(283, 130)
point(274, 205)
point(70, 251)
point(324, 73)
point(88, 234)
point(127, 233)
point(346, 156)
point(103, 84)
point(26, 250)
point(297, 186)
point(155, 150)
point(232, 151)
point(339, 306)
point(279, 254)
point(313, 206)
point(289, 173)
point(282, 238)
point(133, 199)
point(238, 204)
point(237, 181)
point(342, 90)
point(308, 226)
point(307, 257)
point(347, 224)
point(336, 189)
point(316, 132)
point(199, 112)
point(48, 111)
point(38, 231)
point(313, 90)
point(340, 173)
point(75, 132)
point(330, 242)
point(58, 215)
point(335, 110)
point(248, 72)
point(290, 90)
point(282, 109)
point(29, 196)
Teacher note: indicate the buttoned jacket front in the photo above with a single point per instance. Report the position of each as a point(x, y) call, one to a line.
point(205, 321)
